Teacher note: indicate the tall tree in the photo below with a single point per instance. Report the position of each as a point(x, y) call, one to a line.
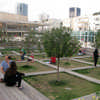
point(59, 43)
point(30, 40)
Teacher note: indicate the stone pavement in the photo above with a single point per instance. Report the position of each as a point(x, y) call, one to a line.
point(41, 73)
point(13, 93)
point(81, 57)
point(80, 68)
point(32, 93)
point(88, 97)
point(81, 61)
point(91, 79)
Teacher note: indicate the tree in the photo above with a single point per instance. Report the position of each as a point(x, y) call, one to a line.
point(58, 42)
point(97, 39)
point(30, 40)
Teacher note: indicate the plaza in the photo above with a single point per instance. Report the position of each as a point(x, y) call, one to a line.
point(41, 76)
point(49, 49)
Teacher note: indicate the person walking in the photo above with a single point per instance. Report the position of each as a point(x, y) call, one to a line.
point(23, 52)
point(95, 56)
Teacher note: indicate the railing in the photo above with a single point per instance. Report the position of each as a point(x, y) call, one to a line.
point(17, 30)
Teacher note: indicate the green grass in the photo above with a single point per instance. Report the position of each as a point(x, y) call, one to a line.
point(6, 52)
point(27, 67)
point(46, 84)
point(93, 72)
point(71, 64)
point(89, 59)
point(46, 60)
point(10, 49)
point(40, 56)
point(13, 57)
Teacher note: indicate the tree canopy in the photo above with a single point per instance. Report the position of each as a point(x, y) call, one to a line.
point(58, 42)
point(97, 40)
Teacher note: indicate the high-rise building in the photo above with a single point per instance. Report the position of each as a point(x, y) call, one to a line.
point(22, 9)
point(74, 11)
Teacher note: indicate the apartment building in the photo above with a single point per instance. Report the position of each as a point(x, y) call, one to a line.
point(14, 25)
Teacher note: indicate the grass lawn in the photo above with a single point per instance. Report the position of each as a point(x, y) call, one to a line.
point(14, 57)
point(32, 67)
point(89, 59)
point(6, 52)
point(93, 72)
point(40, 56)
point(71, 64)
point(2, 58)
point(46, 85)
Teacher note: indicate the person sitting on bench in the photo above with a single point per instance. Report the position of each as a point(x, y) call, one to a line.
point(12, 77)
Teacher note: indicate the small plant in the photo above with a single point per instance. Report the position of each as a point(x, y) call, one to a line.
point(57, 83)
point(67, 63)
point(26, 66)
point(84, 71)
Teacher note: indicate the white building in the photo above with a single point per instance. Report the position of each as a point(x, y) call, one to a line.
point(83, 28)
point(49, 24)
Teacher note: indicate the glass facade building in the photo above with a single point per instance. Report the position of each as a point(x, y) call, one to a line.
point(73, 12)
point(22, 9)
point(87, 36)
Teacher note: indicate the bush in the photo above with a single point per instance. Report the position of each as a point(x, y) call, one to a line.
point(57, 83)
point(67, 63)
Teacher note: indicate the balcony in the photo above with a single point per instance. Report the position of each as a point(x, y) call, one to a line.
point(18, 30)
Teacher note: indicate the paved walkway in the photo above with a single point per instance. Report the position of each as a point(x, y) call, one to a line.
point(91, 79)
point(80, 68)
point(32, 93)
point(13, 93)
point(81, 61)
point(88, 97)
point(41, 73)
point(81, 57)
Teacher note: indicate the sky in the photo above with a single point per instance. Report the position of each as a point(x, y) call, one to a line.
point(54, 8)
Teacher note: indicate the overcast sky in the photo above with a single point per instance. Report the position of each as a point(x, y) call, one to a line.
point(55, 8)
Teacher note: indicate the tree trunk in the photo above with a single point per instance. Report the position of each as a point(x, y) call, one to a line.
point(58, 77)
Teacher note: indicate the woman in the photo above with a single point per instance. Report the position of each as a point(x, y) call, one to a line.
point(95, 56)
point(11, 76)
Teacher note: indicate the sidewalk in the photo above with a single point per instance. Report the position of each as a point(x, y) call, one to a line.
point(41, 73)
point(87, 97)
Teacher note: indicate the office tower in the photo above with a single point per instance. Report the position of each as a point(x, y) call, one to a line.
point(74, 12)
point(22, 9)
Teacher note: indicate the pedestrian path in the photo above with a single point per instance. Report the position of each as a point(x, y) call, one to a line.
point(81, 61)
point(88, 97)
point(41, 73)
point(13, 93)
point(81, 57)
point(32, 93)
point(94, 80)
point(80, 68)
